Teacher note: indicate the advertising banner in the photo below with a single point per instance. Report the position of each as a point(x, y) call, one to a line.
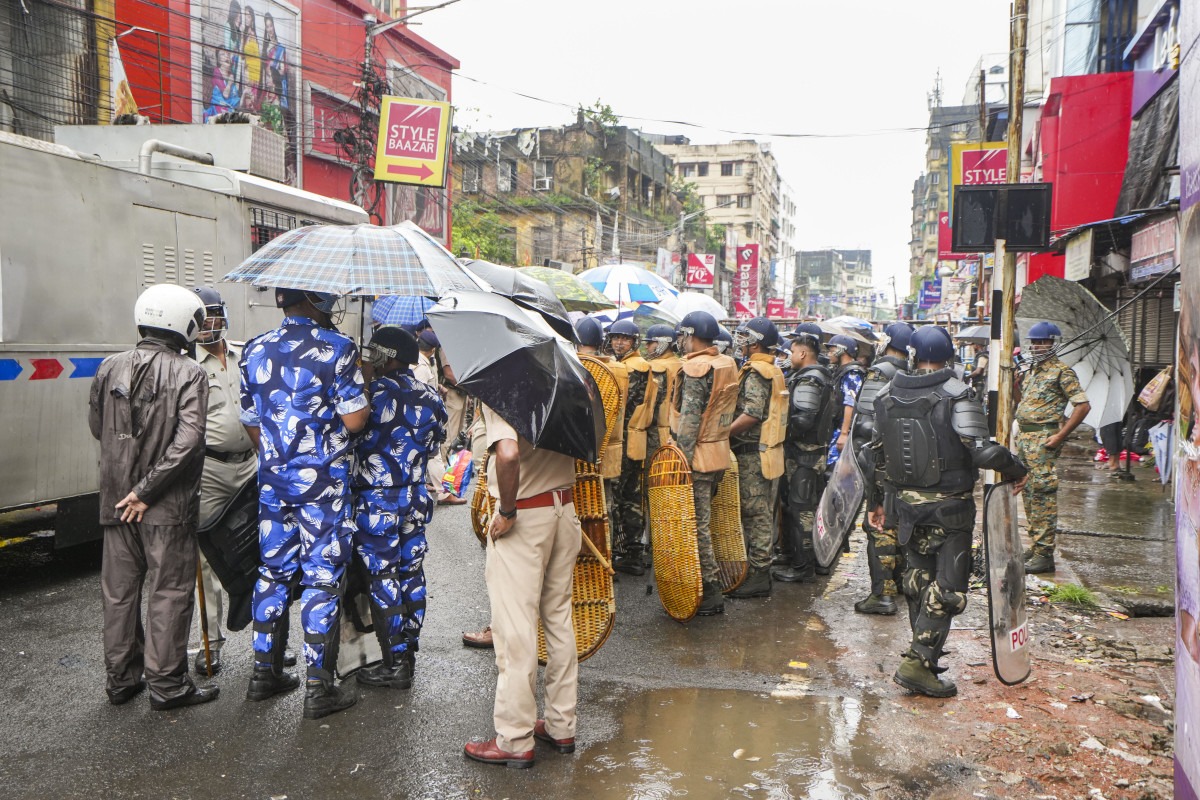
point(1153, 249)
point(1079, 257)
point(775, 309)
point(945, 239)
point(731, 243)
point(412, 143)
point(974, 164)
point(701, 270)
point(745, 285)
point(666, 264)
point(931, 293)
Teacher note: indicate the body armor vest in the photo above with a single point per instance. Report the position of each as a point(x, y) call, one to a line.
point(921, 447)
point(712, 440)
point(820, 433)
point(773, 429)
point(879, 375)
point(641, 416)
point(666, 370)
point(610, 465)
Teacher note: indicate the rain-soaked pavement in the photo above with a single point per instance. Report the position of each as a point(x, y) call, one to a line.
point(784, 698)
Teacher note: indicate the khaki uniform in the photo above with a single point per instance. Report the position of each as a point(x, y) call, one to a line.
point(759, 452)
point(530, 573)
point(1045, 392)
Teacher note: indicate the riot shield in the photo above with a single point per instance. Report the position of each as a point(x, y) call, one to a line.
point(230, 543)
point(1006, 585)
point(673, 533)
point(358, 646)
point(840, 504)
point(729, 545)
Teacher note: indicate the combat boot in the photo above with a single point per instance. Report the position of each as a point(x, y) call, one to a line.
point(876, 604)
point(712, 601)
point(1039, 563)
point(269, 680)
point(757, 584)
point(794, 574)
point(916, 677)
point(629, 563)
point(323, 697)
point(396, 671)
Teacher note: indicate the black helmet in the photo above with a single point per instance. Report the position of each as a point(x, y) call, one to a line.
point(844, 342)
point(322, 301)
point(700, 324)
point(588, 332)
point(214, 309)
point(759, 330)
point(932, 343)
point(391, 341)
point(898, 335)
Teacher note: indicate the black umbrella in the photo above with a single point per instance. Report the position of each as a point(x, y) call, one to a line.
point(526, 291)
point(512, 360)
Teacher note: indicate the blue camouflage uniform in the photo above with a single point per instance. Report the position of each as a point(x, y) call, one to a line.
point(845, 393)
point(297, 382)
point(392, 504)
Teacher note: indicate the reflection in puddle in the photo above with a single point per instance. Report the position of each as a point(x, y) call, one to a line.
point(707, 743)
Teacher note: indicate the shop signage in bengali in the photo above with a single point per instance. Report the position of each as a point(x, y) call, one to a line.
point(1153, 249)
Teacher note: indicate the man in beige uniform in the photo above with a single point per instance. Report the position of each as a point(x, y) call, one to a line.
point(534, 539)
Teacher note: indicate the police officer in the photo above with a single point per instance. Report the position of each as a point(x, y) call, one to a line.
point(1044, 392)
point(929, 500)
point(704, 404)
point(302, 399)
point(810, 420)
point(589, 336)
point(622, 342)
point(665, 364)
point(392, 503)
point(724, 341)
point(848, 377)
point(756, 437)
point(590, 341)
point(883, 554)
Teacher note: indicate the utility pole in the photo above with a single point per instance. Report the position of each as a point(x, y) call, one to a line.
point(983, 117)
point(1003, 311)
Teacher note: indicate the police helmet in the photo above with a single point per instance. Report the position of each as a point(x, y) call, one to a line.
point(932, 343)
point(898, 334)
point(214, 309)
point(624, 327)
point(171, 309)
point(759, 330)
point(325, 302)
point(660, 333)
point(724, 340)
point(588, 332)
point(391, 341)
point(1044, 330)
point(843, 344)
point(700, 324)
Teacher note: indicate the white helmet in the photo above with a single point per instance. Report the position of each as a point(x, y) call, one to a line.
point(167, 307)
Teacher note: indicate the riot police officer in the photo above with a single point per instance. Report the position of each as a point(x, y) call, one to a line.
point(665, 364)
point(848, 377)
point(929, 500)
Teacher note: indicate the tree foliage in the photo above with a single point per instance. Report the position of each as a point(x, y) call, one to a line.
point(482, 233)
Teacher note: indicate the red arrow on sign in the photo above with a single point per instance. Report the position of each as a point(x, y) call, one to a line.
point(45, 369)
point(422, 172)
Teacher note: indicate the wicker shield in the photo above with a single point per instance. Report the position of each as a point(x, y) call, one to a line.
point(673, 533)
point(729, 544)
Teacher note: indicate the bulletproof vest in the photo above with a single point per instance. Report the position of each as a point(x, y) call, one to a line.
point(641, 416)
point(835, 408)
point(921, 447)
point(610, 464)
point(878, 376)
point(666, 371)
point(712, 442)
point(820, 433)
point(773, 429)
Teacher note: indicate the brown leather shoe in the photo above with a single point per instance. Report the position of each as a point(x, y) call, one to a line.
point(451, 500)
point(480, 639)
point(561, 745)
point(490, 753)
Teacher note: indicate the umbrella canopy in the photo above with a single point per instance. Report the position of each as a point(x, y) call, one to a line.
point(686, 302)
point(393, 309)
point(644, 316)
point(526, 291)
point(1092, 343)
point(575, 294)
point(626, 283)
point(854, 332)
point(511, 359)
point(975, 333)
point(844, 321)
point(357, 259)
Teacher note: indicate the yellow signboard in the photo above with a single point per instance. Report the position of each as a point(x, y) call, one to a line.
point(413, 138)
point(975, 163)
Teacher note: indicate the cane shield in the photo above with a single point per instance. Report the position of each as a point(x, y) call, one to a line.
point(1006, 585)
point(673, 533)
point(729, 543)
point(839, 507)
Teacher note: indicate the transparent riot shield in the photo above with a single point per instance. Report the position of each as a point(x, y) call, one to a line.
point(1006, 585)
point(840, 504)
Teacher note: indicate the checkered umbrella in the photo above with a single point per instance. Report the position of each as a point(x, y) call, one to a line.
point(359, 260)
point(405, 311)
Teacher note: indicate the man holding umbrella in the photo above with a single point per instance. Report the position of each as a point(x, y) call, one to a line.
point(1043, 393)
point(302, 399)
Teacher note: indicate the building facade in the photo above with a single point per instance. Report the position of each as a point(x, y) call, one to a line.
point(831, 283)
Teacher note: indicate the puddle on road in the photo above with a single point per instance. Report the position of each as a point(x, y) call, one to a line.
point(707, 743)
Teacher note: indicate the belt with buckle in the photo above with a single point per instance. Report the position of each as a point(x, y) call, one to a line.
point(544, 499)
point(1029, 427)
point(228, 458)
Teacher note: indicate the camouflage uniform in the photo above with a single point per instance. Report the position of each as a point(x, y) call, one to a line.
point(627, 513)
point(757, 494)
point(694, 394)
point(1045, 392)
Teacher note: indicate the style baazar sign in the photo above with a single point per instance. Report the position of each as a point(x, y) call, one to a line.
point(412, 141)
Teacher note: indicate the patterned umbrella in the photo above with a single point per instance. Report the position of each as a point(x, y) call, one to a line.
point(625, 284)
point(686, 302)
point(575, 294)
point(393, 309)
point(644, 316)
point(357, 259)
point(1092, 343)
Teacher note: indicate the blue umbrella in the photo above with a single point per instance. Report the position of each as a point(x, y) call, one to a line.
point(400, 310)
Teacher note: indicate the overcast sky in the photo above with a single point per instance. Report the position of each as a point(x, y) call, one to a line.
point(849, 72)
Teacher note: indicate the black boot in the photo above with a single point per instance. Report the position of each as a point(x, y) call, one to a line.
point(712, 602)
point(396, 671)
point(324, 697)
point(757, 584)
point(269, 680)
point(630, 563)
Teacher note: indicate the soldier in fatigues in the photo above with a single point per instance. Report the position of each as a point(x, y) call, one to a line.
point(1045, 391)
point(704, 403)
point(930, 500)
point(590, 340)
point(756, 436)
point(640, 400)
point(883, 553)
point(810, 421)
point(665, 364)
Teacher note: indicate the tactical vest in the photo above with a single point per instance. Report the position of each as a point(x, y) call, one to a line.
point(835, 408)
point(878, 376)
point(712, 440)
point(640, 417)
point(666, 370)
point(610, 465)
point(773, 429)
point(921, 447)
point(820, 433)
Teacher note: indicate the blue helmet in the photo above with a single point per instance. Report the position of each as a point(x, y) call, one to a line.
point(898, 334)
point(932, 343)
point(322, 301)
point(844, 342)
point(660, 332)
point(759, 330)
point(1044, 330)
point(724, 340)
point(624, 327)
point(588, 332)
point(700, 324)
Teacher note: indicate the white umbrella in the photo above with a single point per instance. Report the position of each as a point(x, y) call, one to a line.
point(626, 284)
point(1092, 343)
point(686, 302)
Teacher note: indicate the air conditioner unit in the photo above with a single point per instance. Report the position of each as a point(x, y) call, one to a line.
point(542, 184)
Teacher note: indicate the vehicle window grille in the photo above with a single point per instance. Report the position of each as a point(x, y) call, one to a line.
point(266, 224)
